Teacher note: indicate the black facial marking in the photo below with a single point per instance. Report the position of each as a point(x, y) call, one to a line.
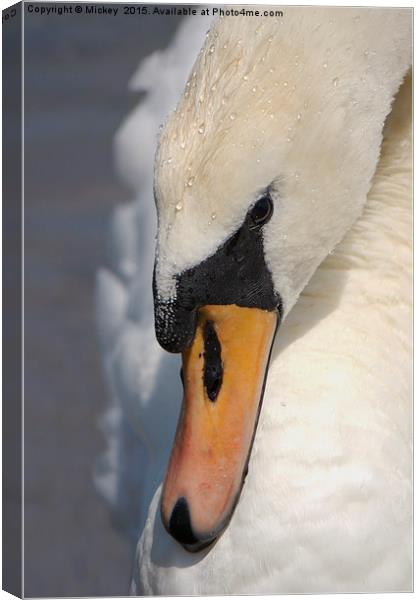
point(235, 274)
point(213, 367)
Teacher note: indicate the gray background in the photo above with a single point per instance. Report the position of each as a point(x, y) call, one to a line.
point(76, 74)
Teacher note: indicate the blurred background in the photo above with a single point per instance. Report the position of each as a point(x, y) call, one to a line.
point(76, 72)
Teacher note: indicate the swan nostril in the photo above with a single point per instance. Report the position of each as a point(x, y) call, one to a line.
point(213, 366)
point(180, 524)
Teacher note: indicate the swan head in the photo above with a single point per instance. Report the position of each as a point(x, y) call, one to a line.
point(260, 171)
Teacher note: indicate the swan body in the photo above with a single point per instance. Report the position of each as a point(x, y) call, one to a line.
point(299, 105)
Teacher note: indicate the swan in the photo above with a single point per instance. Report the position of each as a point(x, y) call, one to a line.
point(261, 175)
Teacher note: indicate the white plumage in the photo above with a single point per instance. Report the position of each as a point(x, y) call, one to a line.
point(327, 502)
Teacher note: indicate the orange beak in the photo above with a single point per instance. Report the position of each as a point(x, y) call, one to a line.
point(223, 373)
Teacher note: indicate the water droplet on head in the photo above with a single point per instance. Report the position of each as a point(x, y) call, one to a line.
point(270, 38)
point(169, 160)
point(335, 81)
point(201, 128)
point(213, 88)
point(190, 181)
point(285, 83)
point(233, 116)
point(325, 65)
point(214, 216)
point(271, 70)
point(182, 145)
point(272, 116)
point(211, 49)
point(179, 206)
point(299, 117)
point(254, 89)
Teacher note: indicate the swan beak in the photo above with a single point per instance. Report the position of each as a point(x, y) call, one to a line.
point(223, 372)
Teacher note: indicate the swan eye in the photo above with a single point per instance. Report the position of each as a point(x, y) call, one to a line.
point(262, 210)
